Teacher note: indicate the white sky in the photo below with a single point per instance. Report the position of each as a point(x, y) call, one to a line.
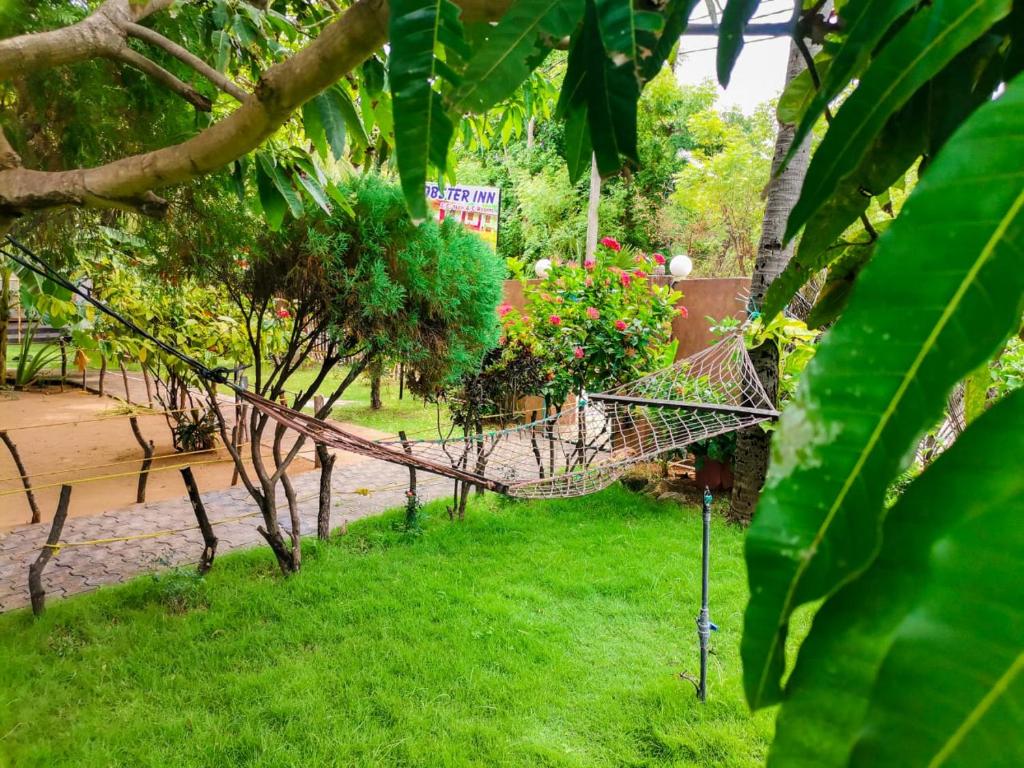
point(761, 70)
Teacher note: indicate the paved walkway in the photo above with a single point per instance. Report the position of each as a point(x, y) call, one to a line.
point(81, 569)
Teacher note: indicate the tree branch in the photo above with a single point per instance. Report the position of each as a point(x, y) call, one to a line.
point(98, 34)
point(188, 58)
point(341, 46)
point(135, 59)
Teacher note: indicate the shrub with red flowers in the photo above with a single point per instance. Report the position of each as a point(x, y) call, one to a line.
point(597, 325)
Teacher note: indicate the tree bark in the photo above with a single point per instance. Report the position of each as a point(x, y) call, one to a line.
point(26, 481)
point(375, 375)
point(147, 459)
point(752, 445)
point(209, 539)
point(35, 571)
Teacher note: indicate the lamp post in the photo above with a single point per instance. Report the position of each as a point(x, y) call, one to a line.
point(680, 267)
point(542, 268)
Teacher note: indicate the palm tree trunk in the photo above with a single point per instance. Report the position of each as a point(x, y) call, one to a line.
point(752, 444)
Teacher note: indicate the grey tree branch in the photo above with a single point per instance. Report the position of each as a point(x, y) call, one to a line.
point(135, 59)
point(188, 58)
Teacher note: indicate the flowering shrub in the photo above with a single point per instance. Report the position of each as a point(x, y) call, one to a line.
point(597, 325)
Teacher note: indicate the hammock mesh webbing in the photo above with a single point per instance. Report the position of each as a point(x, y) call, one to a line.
point(585, 449)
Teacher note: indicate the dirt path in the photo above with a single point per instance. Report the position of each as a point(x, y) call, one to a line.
point(360, 489)
point(79, 438)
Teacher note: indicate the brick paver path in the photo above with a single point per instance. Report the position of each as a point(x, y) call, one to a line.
point(80, 569)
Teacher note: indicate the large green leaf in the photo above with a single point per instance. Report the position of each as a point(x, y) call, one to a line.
point(509, 51)
point(865, 23)
point(941, 292)
point(919, 660)
point(281, 182)
point(423, 131)
point(329, 108)
point(313, 125)
point(271, 200)
point(916, 54)
point(735, 18)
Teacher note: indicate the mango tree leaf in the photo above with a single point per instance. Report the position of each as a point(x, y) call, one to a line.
point(932, 38)
point(313, 125)
point(329, 107)
point(735, 17)
point(941, 611)
point(423, 131)
point(656, 46)
point(842, 275)
point(373, 75)
point(510, 50)
point(942, 291)
point(282, 183)
point(865, 24)
point(312, 186)
point(271, 200)
point(353, 124)
point(800, 92)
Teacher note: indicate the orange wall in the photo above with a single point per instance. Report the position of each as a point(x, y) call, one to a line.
point(717, 297)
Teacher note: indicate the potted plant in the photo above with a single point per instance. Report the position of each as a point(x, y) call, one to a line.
point(713, 461)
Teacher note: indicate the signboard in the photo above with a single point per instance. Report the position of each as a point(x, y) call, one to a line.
point(476, 208)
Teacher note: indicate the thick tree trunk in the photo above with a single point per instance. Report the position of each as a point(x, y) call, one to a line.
point(752, 444)
point(375, 375)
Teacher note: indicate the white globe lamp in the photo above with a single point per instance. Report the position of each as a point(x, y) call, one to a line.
point(542, 268)
point(681, 266)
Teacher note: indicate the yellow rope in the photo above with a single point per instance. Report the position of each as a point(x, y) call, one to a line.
point(111, 464)
point(133, 473)
point(143, 411)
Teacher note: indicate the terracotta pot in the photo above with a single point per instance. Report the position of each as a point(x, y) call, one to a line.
point(715, 475)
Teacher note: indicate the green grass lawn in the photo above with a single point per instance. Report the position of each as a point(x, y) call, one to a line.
point(532, 634)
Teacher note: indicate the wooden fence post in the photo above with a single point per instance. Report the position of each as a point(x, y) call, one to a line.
point(209, 540)
point(26, 482)
point(35, 571)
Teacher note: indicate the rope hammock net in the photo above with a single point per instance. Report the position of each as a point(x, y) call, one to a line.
point(586, 448)
point(572, 453)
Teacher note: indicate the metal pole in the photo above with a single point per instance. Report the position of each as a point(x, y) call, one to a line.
point(703, 620)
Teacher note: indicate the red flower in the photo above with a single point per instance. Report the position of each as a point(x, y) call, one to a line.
point(611, 242)
point(592, 313)
point(555, 320)
point(684, 312)
point(640, 274)
point(658, 258)
point(578, 352)
point(589, 264)
point(625, 279)
point(284, 314)
point(589, 282)
point(620, 325)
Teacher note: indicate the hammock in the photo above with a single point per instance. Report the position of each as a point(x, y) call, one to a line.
point(584, 449)
point(572, 453)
